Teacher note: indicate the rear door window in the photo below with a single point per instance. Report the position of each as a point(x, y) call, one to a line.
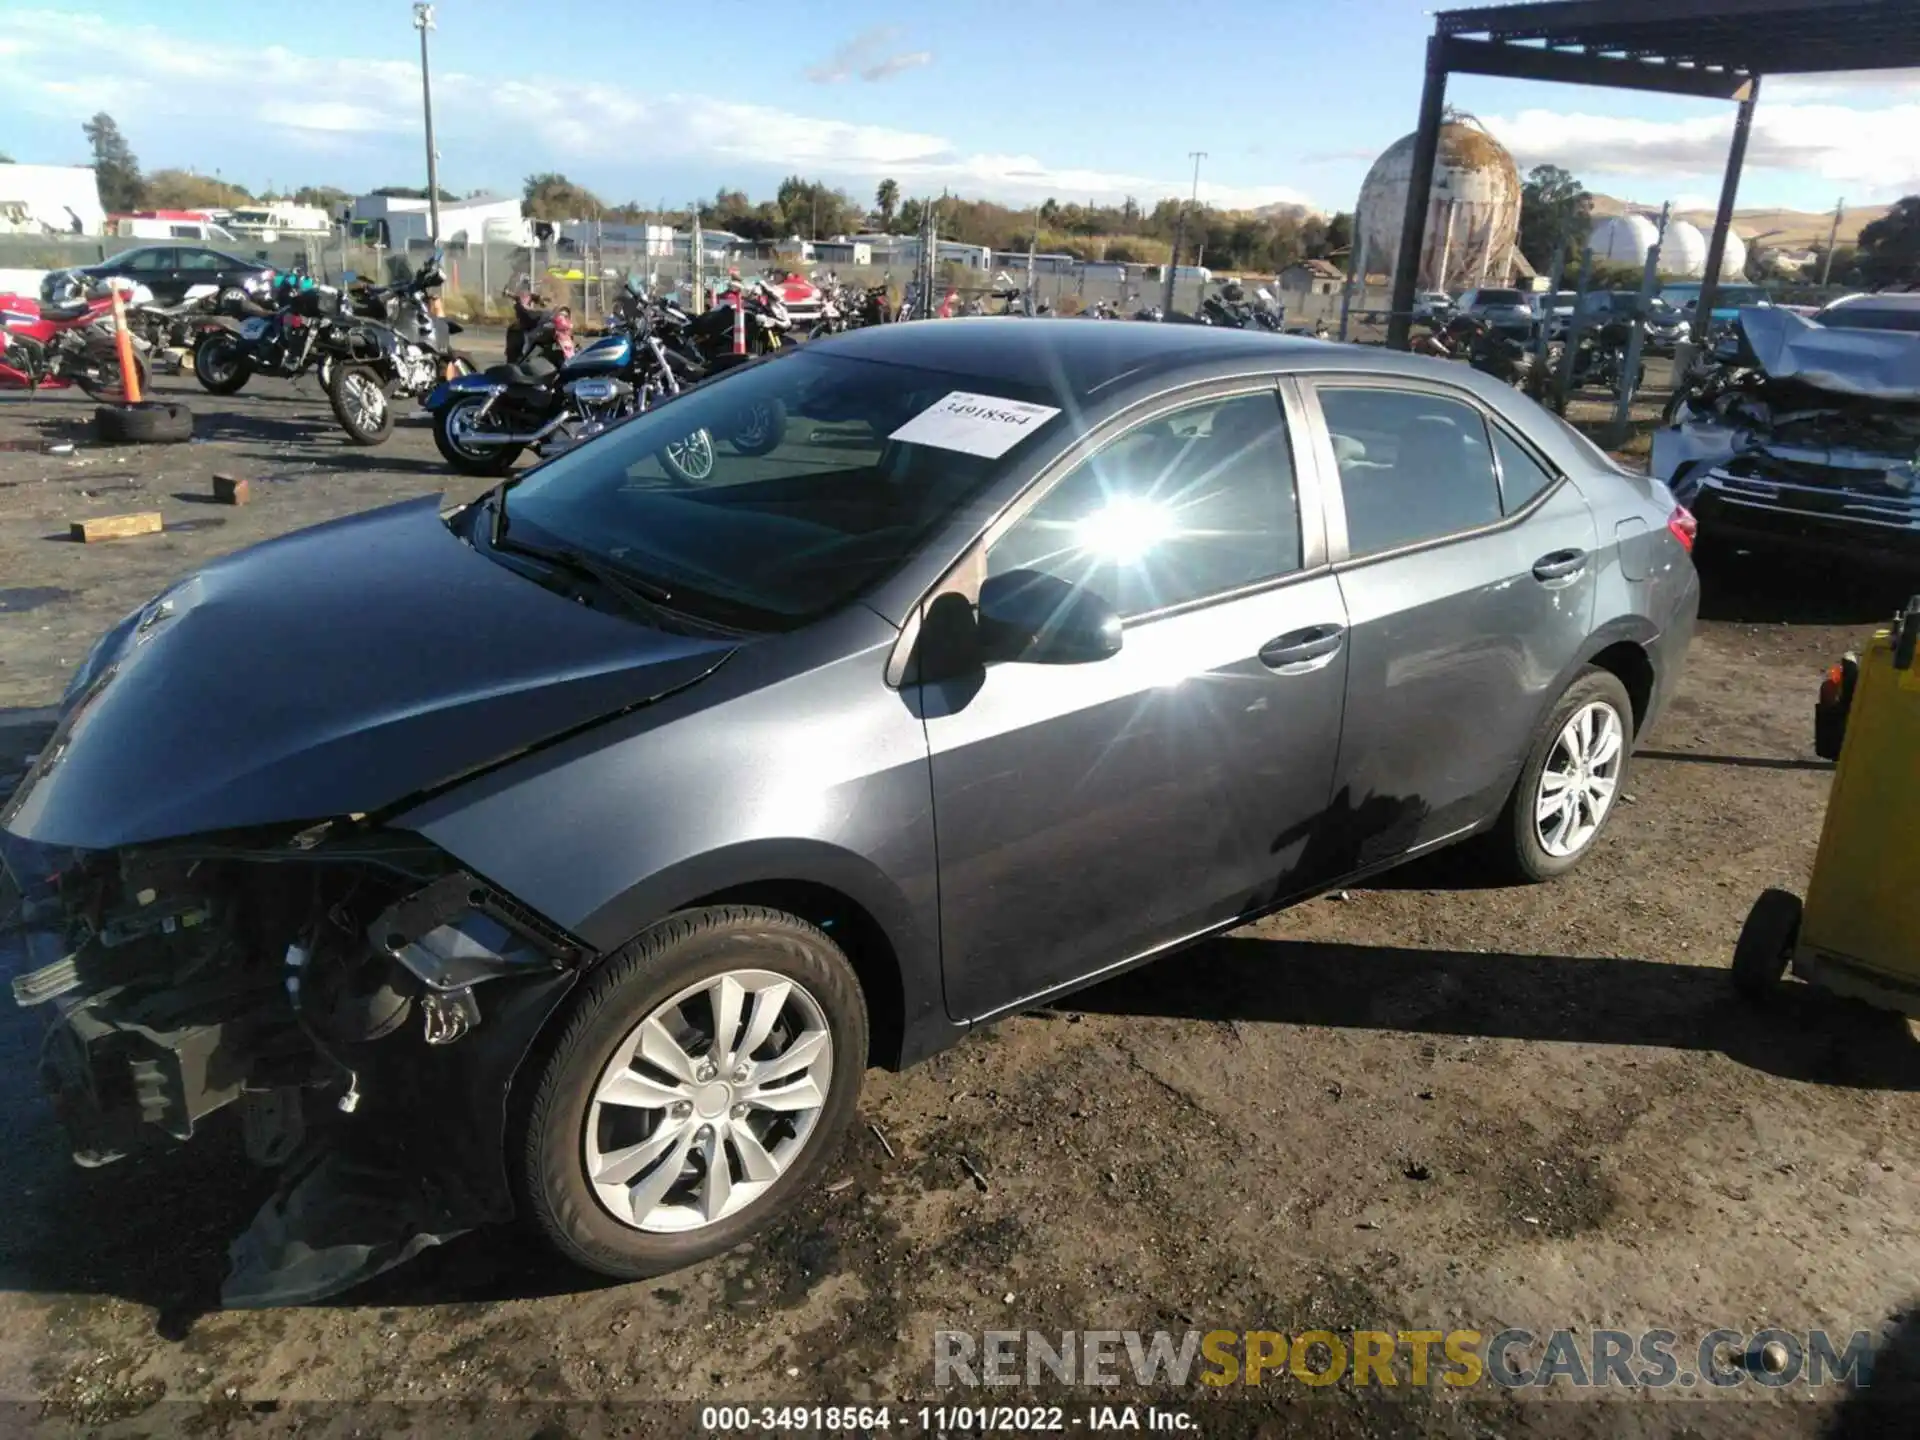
point(1413, 466)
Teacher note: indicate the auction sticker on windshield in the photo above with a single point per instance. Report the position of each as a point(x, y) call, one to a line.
point(983, 425)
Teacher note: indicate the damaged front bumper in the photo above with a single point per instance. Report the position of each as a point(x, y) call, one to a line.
point(1857, 503)
point(359, 1001)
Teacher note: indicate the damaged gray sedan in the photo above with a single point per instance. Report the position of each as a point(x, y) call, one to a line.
point(570, 854)
point(1807, 436)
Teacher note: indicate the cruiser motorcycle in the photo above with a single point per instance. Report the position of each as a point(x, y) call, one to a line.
point(404, 354)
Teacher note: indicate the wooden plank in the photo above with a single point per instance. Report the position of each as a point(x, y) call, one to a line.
point(115, 527)
point(231, 489)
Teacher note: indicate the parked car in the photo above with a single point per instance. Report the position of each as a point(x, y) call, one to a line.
point(1728, 302)
point(169, 271)
point(1889, 311)
point(1506, 312)
point(574, 851)
point(1665, 325)
point(1435, 306)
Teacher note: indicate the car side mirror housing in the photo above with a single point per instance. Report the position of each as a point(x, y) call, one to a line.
point(1037, 619)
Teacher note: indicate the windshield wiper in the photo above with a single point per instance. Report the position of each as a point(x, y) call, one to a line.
point(638, 594)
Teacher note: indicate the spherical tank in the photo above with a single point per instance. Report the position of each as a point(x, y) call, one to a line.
point(1684, 252)
point(1472, 218)
point(1623, 239)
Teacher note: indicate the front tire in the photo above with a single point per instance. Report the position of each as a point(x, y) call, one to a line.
point(219, 365)
point(699, 1083)
point(360, 403)
point(763, 425)
point(689, 459)
point(1765, 947)
point(451, 423)
point(1571, 783)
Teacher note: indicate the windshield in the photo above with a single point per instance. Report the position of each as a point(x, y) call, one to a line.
point(771, 497)
point(1730, 296)
point(1501, 297)
point(1871, 317)
point(1564, 299)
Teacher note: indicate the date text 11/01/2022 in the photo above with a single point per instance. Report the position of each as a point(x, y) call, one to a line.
point(939, 1419)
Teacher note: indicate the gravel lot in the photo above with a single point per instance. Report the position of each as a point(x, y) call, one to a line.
point(1426, 1104)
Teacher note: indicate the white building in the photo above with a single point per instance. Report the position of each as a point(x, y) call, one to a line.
point(462, 222)
point(50, 199)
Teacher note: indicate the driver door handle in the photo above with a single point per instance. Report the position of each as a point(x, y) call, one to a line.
point(1300, 650)
point(1560, 565)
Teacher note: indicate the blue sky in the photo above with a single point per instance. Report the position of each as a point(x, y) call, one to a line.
point(1074, 98)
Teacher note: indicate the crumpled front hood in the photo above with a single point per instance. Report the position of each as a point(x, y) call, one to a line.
point(332, 671)
point(1877, 364)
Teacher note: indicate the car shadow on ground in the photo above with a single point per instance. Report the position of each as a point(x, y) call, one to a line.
point(1781, 588)
point(1800, 1034)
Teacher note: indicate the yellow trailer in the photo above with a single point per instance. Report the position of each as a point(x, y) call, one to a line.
point(1858, 933)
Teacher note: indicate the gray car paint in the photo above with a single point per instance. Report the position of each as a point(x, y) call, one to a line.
point(1046, 827)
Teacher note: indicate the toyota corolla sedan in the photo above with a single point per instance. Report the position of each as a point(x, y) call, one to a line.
point(571, 854)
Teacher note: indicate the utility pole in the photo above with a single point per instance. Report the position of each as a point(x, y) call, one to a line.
point(1180, 227)
point(423, 22)
point(1833, 236)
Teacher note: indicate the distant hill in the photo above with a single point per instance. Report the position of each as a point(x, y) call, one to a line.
point(1799, 229)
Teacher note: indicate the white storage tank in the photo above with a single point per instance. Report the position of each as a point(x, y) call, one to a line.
point(1623, 239)
point(1684, 252)
point(1472, 217)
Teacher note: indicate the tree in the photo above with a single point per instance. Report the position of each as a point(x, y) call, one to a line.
point(887, 199)
point(1340, 233)
point(413, 192)
point(183, 190)
point(1888, 250)
point(326, 197)
point(1555, 210)
point(115, 169)
point(551, 196)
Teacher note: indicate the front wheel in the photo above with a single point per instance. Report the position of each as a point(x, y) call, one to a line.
point(1765, 947)
point(359, 399)
point(455, 425)
point(220, 365)
point(690, 458)
point(1571, 780)
point(696, 1088)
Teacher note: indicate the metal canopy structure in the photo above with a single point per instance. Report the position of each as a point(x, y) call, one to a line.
point(1718, 49)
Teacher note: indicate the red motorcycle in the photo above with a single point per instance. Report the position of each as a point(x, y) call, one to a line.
point(53, 347)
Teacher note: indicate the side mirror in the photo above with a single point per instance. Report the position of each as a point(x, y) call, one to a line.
point(1027, 616)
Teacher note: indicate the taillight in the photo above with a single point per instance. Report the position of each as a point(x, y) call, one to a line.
point(1831, 687)
point(1683, 527)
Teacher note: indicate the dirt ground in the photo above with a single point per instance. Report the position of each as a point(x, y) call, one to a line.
point(1422, 1105)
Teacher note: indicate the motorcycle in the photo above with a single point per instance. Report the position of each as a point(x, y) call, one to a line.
point(405, 353)
point(707, 338)
point(539, 329)
point(70, 342)
point(1600, 359)
point(171, 330)
point(287, 339)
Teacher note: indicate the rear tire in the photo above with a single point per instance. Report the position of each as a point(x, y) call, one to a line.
point(360, 403)
point(447, 425)
point(1527, 843)
point(109, 384)
point(568, 1128)
point(219, 366)
point(763, 426)
point(1765, 947)
point(689, 459)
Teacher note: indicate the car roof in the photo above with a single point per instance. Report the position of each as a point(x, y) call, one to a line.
point(1891, 300)
point(1085, 358)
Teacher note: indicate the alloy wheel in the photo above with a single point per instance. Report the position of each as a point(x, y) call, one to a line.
point(365, 400)
point(693, 454)
point(708, 1101)
point(1579, 782)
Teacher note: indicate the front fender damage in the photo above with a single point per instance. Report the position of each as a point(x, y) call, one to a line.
point(361, 1003)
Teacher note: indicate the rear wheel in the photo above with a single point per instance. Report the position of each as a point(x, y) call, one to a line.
point(360, 403)
point(763, 425)
point(1567, 789)
point(454, 427)
point(219, 365)
point(1761, 955)
point(103, 379)
point(695, 1090)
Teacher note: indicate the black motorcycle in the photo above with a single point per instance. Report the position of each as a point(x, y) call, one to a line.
point(298, 334)
point(406, 353)
point(1600, 359)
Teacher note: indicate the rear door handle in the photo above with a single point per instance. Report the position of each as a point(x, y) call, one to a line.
point(1299, 650)
point(1560, 565)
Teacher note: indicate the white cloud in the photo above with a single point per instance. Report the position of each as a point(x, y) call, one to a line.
point(1876, 151)
point(320, 105)
point(869, 55)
